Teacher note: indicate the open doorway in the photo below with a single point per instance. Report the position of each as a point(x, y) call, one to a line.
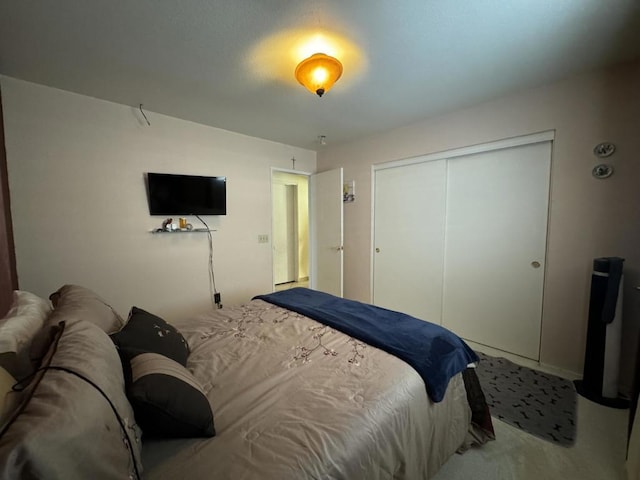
point(290, 229)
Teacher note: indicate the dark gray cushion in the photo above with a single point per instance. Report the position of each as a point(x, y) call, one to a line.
point(167, 399)
point(64, 428)
point(148, 333)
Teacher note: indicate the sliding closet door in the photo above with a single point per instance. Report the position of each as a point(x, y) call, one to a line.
point(496, 225)
point(408, 229)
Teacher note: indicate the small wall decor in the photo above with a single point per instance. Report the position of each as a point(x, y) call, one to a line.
point(604, 149)
point(602, 171)
point(349, 191)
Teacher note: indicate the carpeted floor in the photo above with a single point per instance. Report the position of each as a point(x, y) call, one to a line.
point(539, 403)
point(598, 453)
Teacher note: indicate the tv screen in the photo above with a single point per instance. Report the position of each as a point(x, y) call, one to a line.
point(186, 194)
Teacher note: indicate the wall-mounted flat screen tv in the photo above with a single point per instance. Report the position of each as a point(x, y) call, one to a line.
point(170, 194)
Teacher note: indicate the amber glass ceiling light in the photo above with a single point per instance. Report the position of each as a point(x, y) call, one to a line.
point(318, 73)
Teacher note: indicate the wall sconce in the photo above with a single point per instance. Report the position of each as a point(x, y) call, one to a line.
point(318, 73)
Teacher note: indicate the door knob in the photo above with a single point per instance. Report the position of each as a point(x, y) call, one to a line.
point(535, 264)
point(377, 250)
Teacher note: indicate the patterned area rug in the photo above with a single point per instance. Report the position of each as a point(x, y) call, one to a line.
point(538, 403)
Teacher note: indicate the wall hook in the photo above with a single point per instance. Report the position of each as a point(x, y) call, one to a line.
point(145, 117)
point(602, 171)
point(604, 149)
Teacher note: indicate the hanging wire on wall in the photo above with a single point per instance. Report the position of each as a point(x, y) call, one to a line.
point(145, 117)
point(215, 295)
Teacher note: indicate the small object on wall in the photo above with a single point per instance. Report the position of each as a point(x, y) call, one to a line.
point(145, 116)
point(602, 171)
point(604, 149)
point(349, 191)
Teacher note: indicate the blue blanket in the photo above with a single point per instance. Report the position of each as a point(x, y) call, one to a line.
point(433, 351)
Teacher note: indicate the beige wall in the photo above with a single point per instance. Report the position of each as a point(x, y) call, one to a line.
point(588, 217)
point(79, 203)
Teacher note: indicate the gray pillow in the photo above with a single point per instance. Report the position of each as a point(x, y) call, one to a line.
point(73, 302)
point(167, 399)
point(6, 384)
point(148, 333)
point(74, 421)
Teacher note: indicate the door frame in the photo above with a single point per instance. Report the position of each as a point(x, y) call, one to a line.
point(311, 240)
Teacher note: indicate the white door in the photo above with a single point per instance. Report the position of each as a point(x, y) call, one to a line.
point(285, 238)
point(496, 227)
point(326, 231)
point(409, 205)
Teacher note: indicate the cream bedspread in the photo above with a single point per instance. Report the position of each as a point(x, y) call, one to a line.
point(293, 399)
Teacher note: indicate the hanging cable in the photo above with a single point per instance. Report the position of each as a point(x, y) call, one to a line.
point(145, 117)
point(19, 386)
point(215, 295)
point(121, 421)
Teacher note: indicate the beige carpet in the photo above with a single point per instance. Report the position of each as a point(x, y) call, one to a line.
point(598, 453)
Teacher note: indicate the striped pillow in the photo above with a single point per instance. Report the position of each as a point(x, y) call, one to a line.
point(167, 399)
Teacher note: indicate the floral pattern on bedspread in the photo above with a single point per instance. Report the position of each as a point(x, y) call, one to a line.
point(247, 321)
point(242, 318)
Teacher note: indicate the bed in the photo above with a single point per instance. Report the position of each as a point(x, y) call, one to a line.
point(260, 391)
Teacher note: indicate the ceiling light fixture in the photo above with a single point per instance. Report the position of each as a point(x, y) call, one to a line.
point(318, 73)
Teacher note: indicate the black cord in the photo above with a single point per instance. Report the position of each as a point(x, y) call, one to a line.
point(115, 410)
point(212, 277)
point(145, 117)
point(21, 385)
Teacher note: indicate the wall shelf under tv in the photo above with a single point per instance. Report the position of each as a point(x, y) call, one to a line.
point(181, 230)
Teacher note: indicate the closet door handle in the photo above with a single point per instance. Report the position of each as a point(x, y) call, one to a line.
point(535, 264)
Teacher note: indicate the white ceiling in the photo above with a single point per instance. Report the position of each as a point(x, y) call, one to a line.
point(409, 59)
